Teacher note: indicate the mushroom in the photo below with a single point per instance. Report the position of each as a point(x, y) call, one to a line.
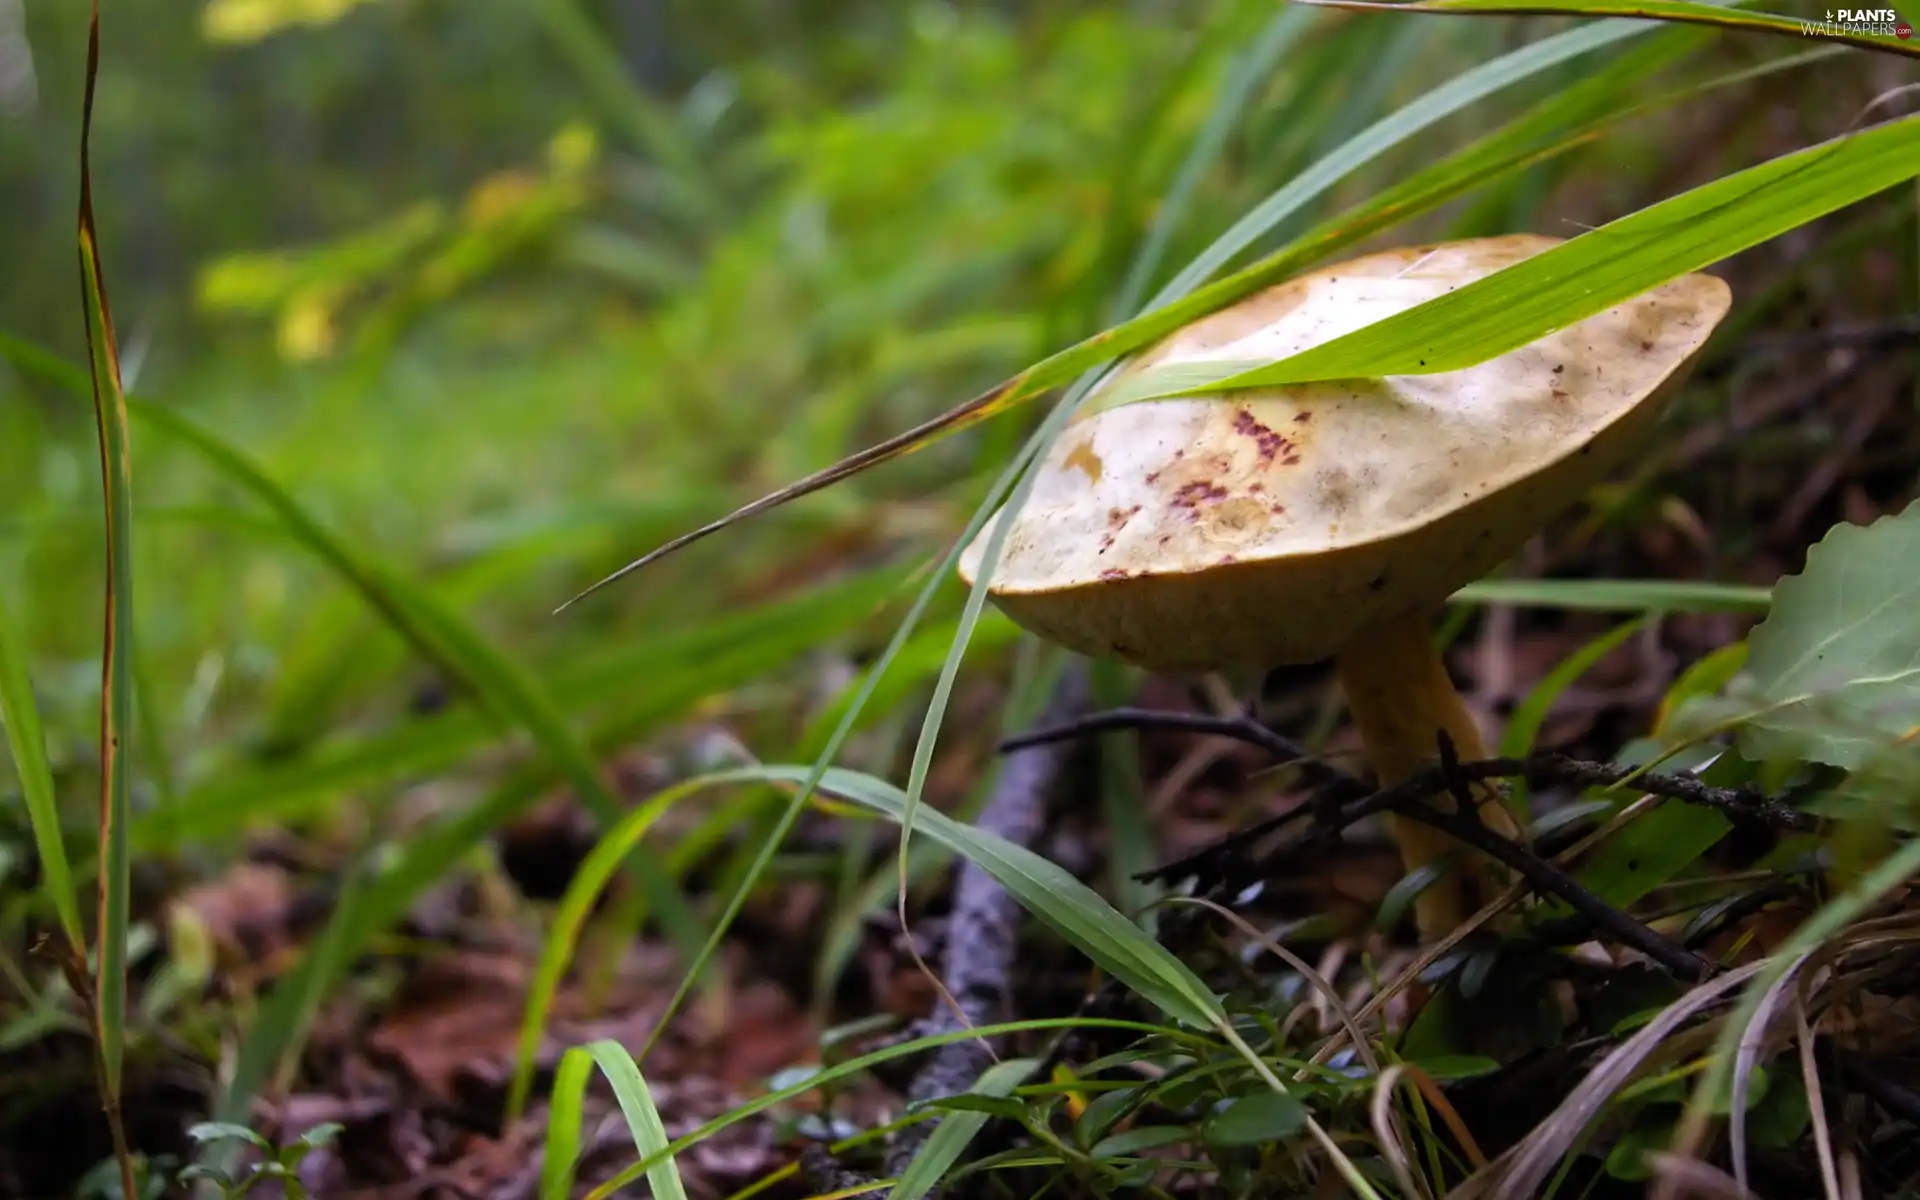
point(1331, 520)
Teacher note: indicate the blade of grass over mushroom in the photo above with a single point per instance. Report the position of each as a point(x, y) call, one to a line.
point(116, 681)
point(1673, 11)
point(854, 1066)
point(20, 713)
point(1178, 303)
point(1587, 274)
point(1618, 595)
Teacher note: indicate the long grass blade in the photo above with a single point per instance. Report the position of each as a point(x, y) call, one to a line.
point(109, 996)
point(20, 713)
point(643, 1118)
point(569, 917)
point(1587, 274)
point(1673, 11)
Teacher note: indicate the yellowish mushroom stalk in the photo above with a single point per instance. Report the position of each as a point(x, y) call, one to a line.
point(1327, 520)
point(1401, 699)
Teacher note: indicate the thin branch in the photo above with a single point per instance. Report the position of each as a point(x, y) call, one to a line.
point(1338, 793)
point(1344, 800)
point(1551, 880)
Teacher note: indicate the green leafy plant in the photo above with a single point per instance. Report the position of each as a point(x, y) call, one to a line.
point(279, 1165)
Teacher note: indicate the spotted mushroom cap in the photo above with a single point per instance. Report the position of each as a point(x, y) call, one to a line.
point(1273, 527)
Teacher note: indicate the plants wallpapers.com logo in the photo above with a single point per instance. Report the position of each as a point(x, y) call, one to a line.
point(1884, 22)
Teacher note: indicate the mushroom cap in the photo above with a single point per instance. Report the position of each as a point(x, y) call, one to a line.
point(1270, 528)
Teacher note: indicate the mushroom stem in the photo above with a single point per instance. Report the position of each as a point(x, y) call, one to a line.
point(1401, 699)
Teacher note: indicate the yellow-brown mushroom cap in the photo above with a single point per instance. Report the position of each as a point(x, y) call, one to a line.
point(1272, 527)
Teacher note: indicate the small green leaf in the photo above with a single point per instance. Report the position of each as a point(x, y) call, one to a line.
point(1004, 1107)
point(1780, 1119)
point(1136, 1141)
point(1256, 1120)
point(1402, 894)
point(1103, 1111)
point(207, 1132)
point(321, 1134)
point(1628, 1158)
point(1447, 1067)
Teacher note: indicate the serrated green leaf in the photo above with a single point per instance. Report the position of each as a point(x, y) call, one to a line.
point(1837, 661)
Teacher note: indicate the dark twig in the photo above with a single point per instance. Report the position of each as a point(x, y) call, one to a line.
point(1552, 881)
point(983, 931)
point(1352, 802)
point(1899, 1101)
point(1337, 792)
point(1241, 728)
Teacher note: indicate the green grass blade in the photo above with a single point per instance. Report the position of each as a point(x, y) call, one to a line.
point(569, 917)
point(563, 1123)
point(643, 1119)
point(950, 1138)
point(1673, 11)
point(1590, 273)
point(20, 713)
point(110, 415)
point(1618, 595)
point(1067, 906)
